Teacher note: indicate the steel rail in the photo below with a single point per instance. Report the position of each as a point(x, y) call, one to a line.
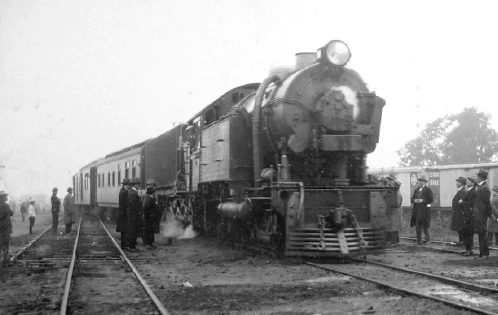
point(69, 277)
point(22, 250)
point(410, 292)
point(146, 287)
point(460, 283)
point(441, 242)
point(444, 250)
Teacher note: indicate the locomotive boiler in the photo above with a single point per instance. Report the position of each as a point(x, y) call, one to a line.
point(279, 164)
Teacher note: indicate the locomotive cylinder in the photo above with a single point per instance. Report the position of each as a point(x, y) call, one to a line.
point(236, 210)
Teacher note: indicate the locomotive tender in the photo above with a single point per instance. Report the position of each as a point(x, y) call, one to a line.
point(281, 164)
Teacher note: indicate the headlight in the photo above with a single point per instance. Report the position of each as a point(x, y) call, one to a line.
point(336, 52)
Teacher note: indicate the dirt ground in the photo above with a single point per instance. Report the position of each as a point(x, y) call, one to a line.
point(20, 230)
point(200, 276)
point(35, 287)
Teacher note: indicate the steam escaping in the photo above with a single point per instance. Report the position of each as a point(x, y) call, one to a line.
point(174, 228)
point(188, 232)
point(349, 96)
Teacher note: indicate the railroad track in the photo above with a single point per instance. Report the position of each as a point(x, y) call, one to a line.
point(444, 243)
point(86, 273)
point(20, 252)
point(460, 294)
point(102, 280)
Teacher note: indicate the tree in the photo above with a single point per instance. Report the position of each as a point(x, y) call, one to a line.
point(461, 138)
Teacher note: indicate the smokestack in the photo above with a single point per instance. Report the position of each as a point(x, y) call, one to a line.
point(280, 71)
point(304, 59)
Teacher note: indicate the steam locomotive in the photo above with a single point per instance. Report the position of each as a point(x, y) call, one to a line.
point(279, 164)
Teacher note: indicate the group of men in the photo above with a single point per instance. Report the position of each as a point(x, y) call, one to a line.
point(474, 212)
point(137, 216)
point(69, 210)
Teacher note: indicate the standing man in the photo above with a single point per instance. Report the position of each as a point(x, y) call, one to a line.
point(492, 222)
point(24, 209)
point(150, 210)
point(394, 212)
point(421, 216)
point(482, 211)
point(158, 214)
point(32, 216)
point(5, 227)
point(457, 214)
point(468, 228)
point(135, 218)
point(122, 222)
point(56, 208)
point(69, 215)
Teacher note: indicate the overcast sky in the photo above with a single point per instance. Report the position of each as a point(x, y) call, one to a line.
point(80, 79)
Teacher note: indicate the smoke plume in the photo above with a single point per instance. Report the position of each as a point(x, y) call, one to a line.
point(175, 228)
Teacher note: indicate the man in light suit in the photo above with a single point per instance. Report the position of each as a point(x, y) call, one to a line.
point(69, 210)
point(421, 216)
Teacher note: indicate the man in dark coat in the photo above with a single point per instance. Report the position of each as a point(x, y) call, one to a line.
point(493, 223)
point(482, 211)
point(394, 212)
point(457, 215)
point(135, 215)
point(56, 208)
point(24, 209)
point(421, 216)
point(122, 222)
point(5, 227)
point(467, 203)
point(150, 210)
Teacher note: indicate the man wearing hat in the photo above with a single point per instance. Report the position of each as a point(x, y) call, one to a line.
point(391, 178)
point(457, 214)
point(482, 211)
point(69, 211)
point(24, 209)
point(122, 222)
point(468, 227)
point(421, 216)
point(5, 227)
point(492, 222)
point(56, 206)
point(135, 215)
point(150, 210)
point(394, 212)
